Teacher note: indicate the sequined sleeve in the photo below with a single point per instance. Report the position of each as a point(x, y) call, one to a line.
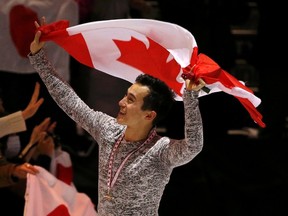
point(180, 152)
point(66, 98)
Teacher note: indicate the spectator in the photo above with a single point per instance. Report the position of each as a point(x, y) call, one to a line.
point(16, 74)
point(12, 174)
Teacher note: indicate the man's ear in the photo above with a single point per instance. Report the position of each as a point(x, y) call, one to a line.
point(151, 115)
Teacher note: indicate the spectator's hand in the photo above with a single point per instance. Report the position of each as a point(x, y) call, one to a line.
point(36, 45)
point(51, 128)
point(45, 145)
point(36, 134)
point(194, 86)
point(21, 171)
point(34, 103)
point(38, 130)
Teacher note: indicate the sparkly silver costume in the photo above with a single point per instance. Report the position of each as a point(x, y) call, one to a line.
point(141, 182)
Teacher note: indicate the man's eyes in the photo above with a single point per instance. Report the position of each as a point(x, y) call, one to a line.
point(130, 100)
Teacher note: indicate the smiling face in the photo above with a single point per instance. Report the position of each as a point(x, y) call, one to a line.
point(130, 113)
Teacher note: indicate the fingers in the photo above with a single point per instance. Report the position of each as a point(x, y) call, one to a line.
point(43, 126)
point(37, 37)
point(36, 24)
point(45, 123)
point(37, 89)
point(39, 103)
point(22, 170)
point(190, 85)
point(36, 44)
point(43, 137)
point(38, 129)
point(31, 169)
point(34, 103)
point(200, 85)
point(52, 127)
point(35, 94)
point(43, 22)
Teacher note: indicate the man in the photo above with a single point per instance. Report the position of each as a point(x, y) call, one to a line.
point(135, 163)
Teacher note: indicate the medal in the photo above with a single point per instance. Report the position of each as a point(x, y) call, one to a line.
point(108, 196)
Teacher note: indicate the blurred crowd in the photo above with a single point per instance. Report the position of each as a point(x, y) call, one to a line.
point(34, 130)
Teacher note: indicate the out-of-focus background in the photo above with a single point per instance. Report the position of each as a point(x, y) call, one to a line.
point(242, 169)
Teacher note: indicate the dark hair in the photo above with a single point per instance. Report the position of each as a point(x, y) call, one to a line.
point(160, 98)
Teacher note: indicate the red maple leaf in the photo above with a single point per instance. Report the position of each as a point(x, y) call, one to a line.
point(151, 60)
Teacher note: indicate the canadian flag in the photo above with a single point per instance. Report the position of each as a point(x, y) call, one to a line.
point(48, 196)
point(17, 31)
point(125, 48)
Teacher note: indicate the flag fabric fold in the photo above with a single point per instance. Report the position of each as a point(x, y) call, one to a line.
point(61, 166)
point(48, 196)
point(125, 48)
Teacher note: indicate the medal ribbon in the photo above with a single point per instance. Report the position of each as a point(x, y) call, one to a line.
point(111, 182)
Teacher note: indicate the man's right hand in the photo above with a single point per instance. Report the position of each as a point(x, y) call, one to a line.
point(36, 45)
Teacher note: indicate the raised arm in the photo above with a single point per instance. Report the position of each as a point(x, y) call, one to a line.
point(180, 152)
point(60, 90)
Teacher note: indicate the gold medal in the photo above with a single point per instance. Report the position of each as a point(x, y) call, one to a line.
point(108, 196)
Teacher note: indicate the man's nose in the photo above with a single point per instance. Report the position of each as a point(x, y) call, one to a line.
point(122, 102)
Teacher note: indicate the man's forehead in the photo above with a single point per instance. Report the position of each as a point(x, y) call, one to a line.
point(137, 90)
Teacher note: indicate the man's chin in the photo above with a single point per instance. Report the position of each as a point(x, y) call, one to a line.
point(120, 121)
